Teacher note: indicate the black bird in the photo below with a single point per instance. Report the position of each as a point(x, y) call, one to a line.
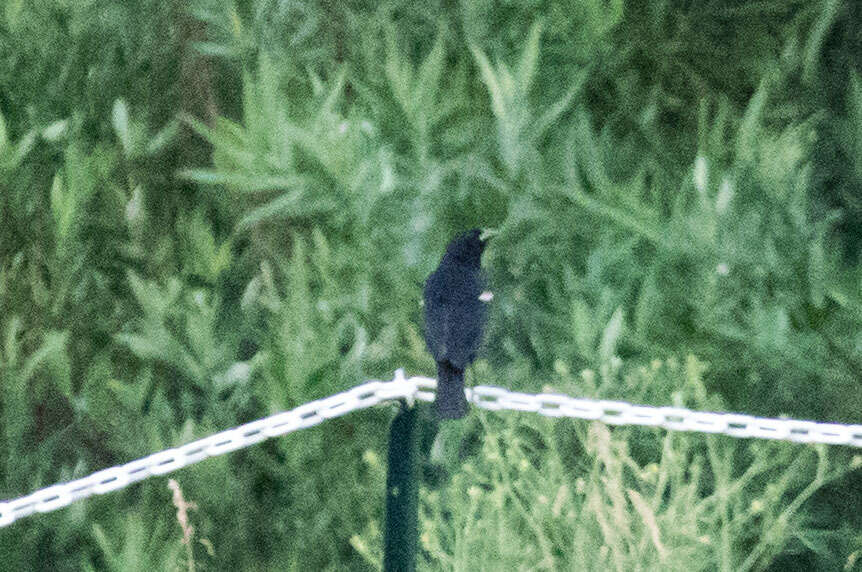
point(455, 319)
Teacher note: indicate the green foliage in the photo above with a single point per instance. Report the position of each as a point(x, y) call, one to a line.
point(212, 211)
point(541, 494)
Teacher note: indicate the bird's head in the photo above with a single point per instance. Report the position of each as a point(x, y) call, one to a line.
point(467, 248)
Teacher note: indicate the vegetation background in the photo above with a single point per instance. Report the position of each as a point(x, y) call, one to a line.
point(215, 210)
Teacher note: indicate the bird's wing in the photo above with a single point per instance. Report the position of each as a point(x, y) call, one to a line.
point(436, 317)
point(464, 337)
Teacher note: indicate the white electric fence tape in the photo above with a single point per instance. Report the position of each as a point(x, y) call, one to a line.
point(422, 388)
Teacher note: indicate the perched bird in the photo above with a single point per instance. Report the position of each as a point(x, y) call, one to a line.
point(455, 319)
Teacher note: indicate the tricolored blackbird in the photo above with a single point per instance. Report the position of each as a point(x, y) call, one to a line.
point(455, 319)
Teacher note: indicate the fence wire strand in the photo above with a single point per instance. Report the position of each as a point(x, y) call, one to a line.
point(422, 388)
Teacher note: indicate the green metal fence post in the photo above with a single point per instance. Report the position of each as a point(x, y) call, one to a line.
point(402, 492)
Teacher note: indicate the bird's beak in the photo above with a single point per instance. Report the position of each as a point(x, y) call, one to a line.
point(488, 233)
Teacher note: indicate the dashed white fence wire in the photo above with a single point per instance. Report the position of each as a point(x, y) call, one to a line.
point(422, 388)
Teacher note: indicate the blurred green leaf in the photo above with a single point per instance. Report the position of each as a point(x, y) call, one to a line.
point(611, 335)
point(120, 120)
point(4, 137)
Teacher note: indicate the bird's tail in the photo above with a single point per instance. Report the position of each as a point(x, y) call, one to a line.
point(451, 402)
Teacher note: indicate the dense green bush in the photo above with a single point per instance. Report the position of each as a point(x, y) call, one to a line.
point(212, 211)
